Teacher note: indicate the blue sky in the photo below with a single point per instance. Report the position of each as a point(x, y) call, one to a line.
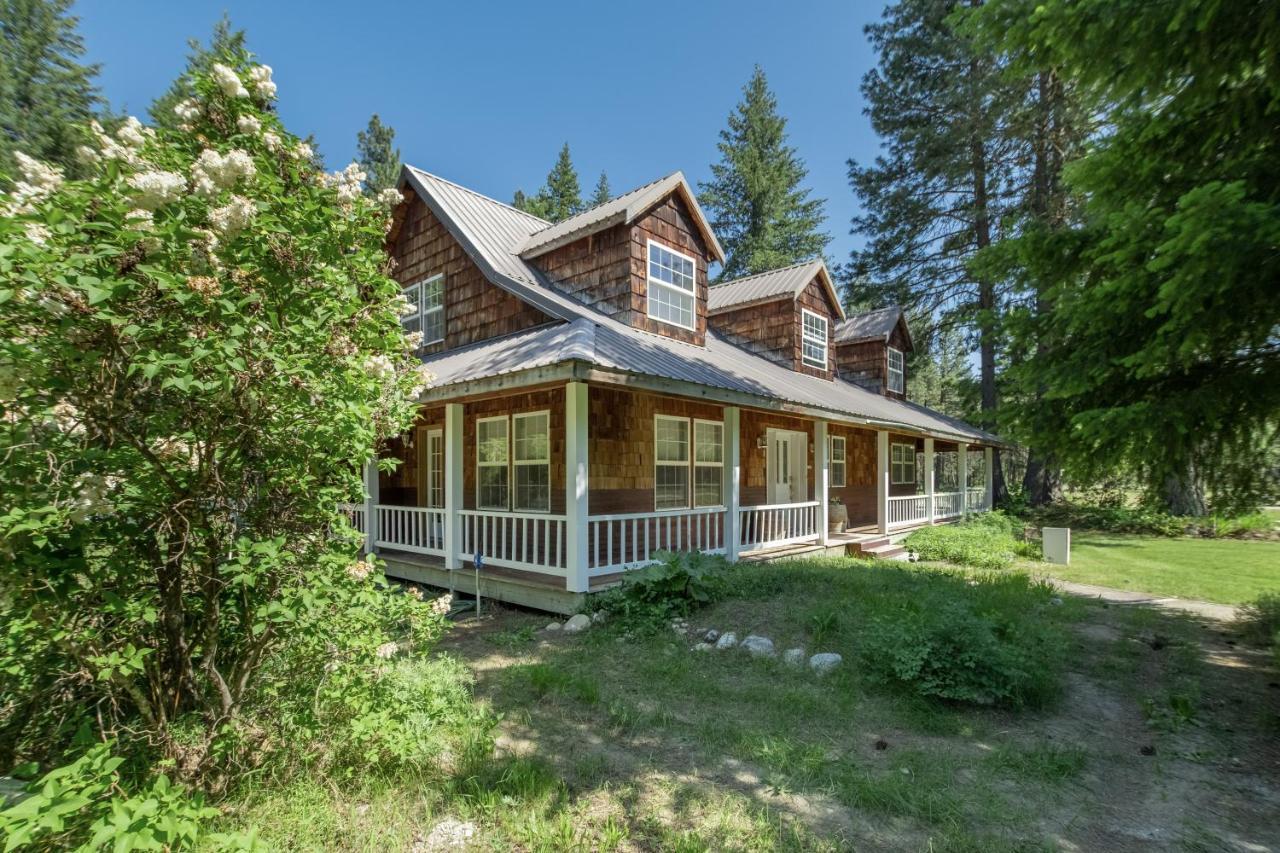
point(484, 93)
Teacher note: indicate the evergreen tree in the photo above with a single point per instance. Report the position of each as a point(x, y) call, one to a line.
point(939, 374)
point(1160, 351)
point(946, 180)
point(602, 192)
point(44, 90)
point(223, 43)
point(757, 206)
point(375, 155)
point(560, 197)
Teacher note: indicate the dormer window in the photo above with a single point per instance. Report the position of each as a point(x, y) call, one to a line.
point(671, 286)
point(897, 371)
point(814, 345)
point(426, 299)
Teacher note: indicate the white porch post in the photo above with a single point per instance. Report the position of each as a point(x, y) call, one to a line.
point(822, 476)
point(882, 481)
point(989, 478)
point(453, 427)
point(732, 480)
point(577, 578)
point(929, 477)
point(963, 465)
point(371, 506)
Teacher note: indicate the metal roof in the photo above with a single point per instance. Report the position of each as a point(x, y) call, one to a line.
point(625, 208)
point(767, 286)
point(875, 325)
point(491, 234)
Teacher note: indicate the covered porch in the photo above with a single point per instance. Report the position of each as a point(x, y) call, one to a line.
point(569, 486)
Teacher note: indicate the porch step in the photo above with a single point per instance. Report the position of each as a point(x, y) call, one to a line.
point(884, 551)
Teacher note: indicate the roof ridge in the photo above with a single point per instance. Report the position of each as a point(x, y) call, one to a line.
point(796, 265)
point(610, 200)
point(481, 195)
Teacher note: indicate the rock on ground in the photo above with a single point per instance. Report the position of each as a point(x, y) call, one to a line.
point(759, 646)
point(576, 623)
point(793, 657)
point(727, 640)
point(711, 636)
point(554, 626)
point(703, 647)
point(825, 662)
point(448, 834)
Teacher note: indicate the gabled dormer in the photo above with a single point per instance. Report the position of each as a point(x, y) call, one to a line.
point(871, 351)
point(787, 315)
point(640, 258)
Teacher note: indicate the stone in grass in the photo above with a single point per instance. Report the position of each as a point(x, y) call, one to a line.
point(448, 834)
point(703, 647)
point(727, 640)
point(576, 623)
point(552, 626)
point(825, 662)
point(598, 617)
point(711, 636)
point(793, 657)
point(761, 647)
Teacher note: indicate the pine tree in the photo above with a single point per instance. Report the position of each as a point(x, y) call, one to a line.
point(946, 180)
point(602, 192)
point(44, 90)
point(224, 42)
point(560, 197)
point(757, 206)
point(375, 155)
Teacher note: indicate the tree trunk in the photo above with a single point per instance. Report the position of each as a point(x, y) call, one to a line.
point(1183, 494)
point(986, 309)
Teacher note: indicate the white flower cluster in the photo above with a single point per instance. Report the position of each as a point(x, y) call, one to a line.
point(91, 491)
point(39, 181)
point(403, 306)
point(359, 570)
point(442, 604)
point(229, 81)
point(154, 189)
point(422, 379)
point(204, 249)
point(133, 134)
point(124, 147)
point(230, 219)
point(386, 651)
point(66, 417)
point(213, 171)
point(389, 197)
point(303, 151)
point(347, 182)
point(380, 366)
point(188, 111)
point(248, 124)
point(273, 142)
point(140, 220)
point(414, 340)
point(260, 75)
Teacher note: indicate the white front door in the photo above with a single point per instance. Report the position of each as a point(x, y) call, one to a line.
point(787, 466)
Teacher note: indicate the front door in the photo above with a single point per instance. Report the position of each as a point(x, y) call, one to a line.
point(787, 466)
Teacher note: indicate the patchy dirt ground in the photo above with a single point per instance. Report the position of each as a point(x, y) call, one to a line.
point(1167, 737)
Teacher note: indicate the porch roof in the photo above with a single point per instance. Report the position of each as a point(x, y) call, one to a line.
point(492, 234)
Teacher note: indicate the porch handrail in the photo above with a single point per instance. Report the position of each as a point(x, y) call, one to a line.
point(908, 509)
point(976, 498)
point(620, 541)
point(947, 504)
point(773, 525)
point(355, 515)
point(417, 529)
point(531, 541)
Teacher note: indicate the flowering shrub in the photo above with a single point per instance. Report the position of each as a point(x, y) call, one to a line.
point(202, 350)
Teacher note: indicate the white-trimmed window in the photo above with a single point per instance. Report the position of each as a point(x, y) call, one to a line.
point(897, 371)
point(531, 460)
point(493, 473)
point(708, 463)
point(672, 289)
point(814, 340)
point(435, 468)
point(837, 462)
point(902, 464)
point(426, 298)
point(670, 462)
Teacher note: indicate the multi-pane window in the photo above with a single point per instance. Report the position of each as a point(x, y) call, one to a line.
point(902, 464)
point(671, 286)
point(426, 299)
point(531, 459)
point(814, 340)
point(897, 372)
point(492, 469)
point(837, 461)
point(435, 468)
point(671, 462)
point(708, 463)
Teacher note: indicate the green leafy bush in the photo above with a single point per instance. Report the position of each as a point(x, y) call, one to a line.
point(674, 586)
point(1259, 620)
point(985, 642)
point(84, 804)
point(988, 541)
point(1147, 521)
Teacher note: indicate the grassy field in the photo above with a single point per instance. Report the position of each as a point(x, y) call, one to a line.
point(1228, 571)
point(1162, 735)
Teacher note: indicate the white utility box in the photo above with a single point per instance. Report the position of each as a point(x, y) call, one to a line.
point(1057, 545)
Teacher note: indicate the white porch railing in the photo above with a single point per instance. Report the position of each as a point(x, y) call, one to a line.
point(411, 528)
point(355, 516)
point(531, 541)
point(908, 509)
point(771, 525)
point(619, 542)
point(977, 500)
point(946, 504)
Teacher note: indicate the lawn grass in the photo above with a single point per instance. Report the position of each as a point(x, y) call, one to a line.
point(1227, 571)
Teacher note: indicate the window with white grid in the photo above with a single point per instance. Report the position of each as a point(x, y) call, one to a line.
point(671, 286)
point(671, 462)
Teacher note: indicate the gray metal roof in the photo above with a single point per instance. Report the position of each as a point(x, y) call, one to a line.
point(875, 325)
point(767, 286)
point(491, 233)
point(624, 208)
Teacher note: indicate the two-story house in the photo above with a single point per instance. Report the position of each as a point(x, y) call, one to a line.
point(595, 401)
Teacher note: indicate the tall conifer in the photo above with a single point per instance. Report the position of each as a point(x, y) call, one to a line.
point(375, 154)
